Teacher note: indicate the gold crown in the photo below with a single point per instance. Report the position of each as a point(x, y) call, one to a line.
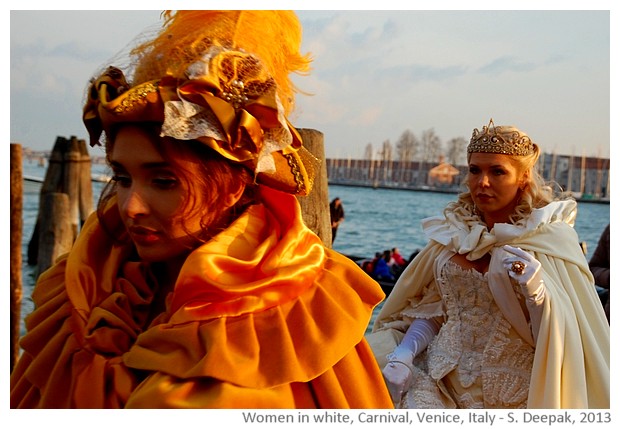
point(506, 140)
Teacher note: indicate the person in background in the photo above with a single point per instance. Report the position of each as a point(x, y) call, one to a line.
point(369, 264)
point(397, 257)
point(397, 263)
point(599, 266)
point(196, 284)
point(413, 255)
point(382, 269)
point(336, 214)
point(499, 310)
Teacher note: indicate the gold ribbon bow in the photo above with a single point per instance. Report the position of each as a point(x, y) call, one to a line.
point(226, 101)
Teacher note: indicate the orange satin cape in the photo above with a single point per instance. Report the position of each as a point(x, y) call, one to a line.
point(261, 316)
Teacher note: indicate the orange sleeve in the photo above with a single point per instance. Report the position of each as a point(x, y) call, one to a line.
point(68, 361)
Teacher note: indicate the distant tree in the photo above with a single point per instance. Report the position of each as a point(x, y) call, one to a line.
point(368, 152)
point(387, 151)
point(431, 146)
point(430, 151)
point(406, 149)
point(455, 151)
point(407, 146)
point(369, 156)
point(387, 156)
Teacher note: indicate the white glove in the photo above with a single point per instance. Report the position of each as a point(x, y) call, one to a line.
point(525, 269)
point(398, 372)
point(397, 377)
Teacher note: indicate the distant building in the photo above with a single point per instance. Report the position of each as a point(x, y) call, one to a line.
point(442, 175)
point(584, 177)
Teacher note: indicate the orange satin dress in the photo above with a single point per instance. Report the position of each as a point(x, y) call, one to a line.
point(261, 316)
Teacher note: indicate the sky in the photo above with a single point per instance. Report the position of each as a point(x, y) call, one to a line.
point(375, 73)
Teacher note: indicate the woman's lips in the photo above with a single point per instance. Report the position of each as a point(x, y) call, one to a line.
point(142, 235)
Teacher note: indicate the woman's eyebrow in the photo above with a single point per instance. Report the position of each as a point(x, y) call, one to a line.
point(147, 165)
point(488, 166)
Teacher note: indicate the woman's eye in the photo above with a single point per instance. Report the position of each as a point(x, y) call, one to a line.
point(121, 180)
point(165, 182)
point(473, 170)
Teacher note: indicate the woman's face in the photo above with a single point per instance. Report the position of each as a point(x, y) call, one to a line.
point(151, 195)
point(494, 183)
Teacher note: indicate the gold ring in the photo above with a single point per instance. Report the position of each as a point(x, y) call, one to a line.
point(517, 267)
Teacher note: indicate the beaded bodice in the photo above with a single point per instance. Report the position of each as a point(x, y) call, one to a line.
point(477, 347)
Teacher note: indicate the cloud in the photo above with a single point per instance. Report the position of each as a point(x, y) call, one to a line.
point(72, 50)
point(506, 64)
point(368, 116)
point(417, 73)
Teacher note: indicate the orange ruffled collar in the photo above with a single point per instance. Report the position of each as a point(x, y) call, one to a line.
point(265, 258)
point(262, 304)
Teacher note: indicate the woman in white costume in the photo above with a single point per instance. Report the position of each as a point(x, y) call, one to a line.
point(499, 310)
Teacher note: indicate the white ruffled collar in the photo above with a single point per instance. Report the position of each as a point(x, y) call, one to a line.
point(466, 234)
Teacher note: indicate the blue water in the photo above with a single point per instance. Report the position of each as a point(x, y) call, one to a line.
point(376, 219)
point(380, 219)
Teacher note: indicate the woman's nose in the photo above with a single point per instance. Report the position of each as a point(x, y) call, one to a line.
point(133, 203)
point(484, 180)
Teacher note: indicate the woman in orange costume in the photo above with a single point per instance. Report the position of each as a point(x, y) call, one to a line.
point(196, 284)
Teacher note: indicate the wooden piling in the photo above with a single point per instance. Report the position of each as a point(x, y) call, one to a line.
point(52, 182)
point(86, 183)
point(56, 229)
point(71, 181)
point(53, 175)
point(315, 207)
point(68, 172)
point(16, 249)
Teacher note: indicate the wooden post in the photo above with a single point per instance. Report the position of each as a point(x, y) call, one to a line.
point(315, 207)
point(54, 173)
point(68, 172)
point(16, 248)
point(86, 184)
point(56, 229)
point(71, 181)
point(51, 183)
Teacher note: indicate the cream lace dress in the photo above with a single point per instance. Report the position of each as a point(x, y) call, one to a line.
point(571, 365)
point(477, 360)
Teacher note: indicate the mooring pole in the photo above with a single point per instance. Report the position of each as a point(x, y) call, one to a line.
point(17, 198)
point(315, 207)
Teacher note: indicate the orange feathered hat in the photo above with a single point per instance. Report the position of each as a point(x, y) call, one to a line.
point(219, 77)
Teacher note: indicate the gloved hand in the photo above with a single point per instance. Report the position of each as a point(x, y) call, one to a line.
point(525, 269)
point(398, 375)
point(398, 372)
point(522, 267)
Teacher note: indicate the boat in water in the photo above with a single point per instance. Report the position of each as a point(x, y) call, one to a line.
point(386, 284)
